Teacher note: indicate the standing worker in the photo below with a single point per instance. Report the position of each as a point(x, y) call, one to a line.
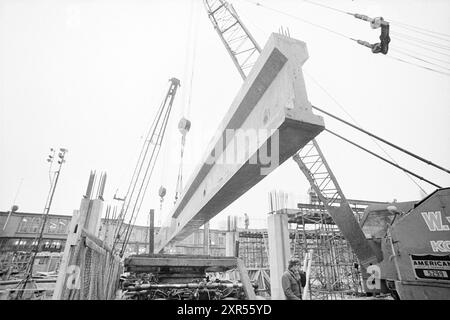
point(246, 221)
point(293, 280)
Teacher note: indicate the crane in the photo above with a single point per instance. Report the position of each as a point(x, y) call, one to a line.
point(144, 167)
point(244, 50)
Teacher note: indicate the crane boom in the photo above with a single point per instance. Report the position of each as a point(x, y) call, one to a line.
point(145, 165)
point(244, 50)
point(238, 41)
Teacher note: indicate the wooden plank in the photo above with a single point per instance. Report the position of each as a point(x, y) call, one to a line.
point(179, 262)
point(245, 280)
point(307, 269)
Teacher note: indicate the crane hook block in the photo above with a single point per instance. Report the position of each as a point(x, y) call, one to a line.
point(162, 192)
point(375, 23)
point(383, 45)
point(184, 126)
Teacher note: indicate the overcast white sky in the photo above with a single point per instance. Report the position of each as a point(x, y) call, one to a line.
point(89, 76)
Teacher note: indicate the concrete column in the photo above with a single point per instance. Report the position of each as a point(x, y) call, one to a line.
point(151, 238)
point(93, 217)
point(73, 235)
point(206, 239)
point(230, 244)
point(279, 252)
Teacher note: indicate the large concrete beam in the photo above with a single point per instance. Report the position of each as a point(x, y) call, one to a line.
point(269, 120)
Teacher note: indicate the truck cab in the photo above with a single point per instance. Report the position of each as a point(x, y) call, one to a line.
point(412, 243)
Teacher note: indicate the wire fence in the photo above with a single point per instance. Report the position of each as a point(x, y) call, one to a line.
point(94, 272)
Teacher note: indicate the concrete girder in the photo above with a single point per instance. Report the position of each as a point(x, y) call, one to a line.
point(272, 105)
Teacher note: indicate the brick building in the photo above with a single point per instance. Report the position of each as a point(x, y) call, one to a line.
point(19, 234)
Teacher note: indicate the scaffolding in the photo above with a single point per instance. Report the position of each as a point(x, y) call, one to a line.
point(253, 251)
point(334, 268)
point(335, 273)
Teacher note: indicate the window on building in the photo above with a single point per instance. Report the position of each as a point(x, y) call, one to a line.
point(25, 224)
point(10, 245)
point(51, 226)
point(2, 222)
point(142, 249)
point(35, 225)
point(62, 226)
point(42, 260)
point(3, 243)
point(198, 237)
point(47, 244)
point(189, 239)
point(55, 244)
point(221, 240)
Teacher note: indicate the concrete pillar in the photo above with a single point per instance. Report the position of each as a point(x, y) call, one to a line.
point(230, 244)
point(206, 250)
point(279, 252)
point(93, 217)
point(72, 238)
point(151, 238)
point(88, 217)
point(231, 237)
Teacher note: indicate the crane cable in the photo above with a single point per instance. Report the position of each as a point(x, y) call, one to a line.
point(345, 111)
point(186, 97)
point(399, 48)
point(418, 65)
point(421, 41)
point(184, 124)
point(350, 116)
point(258, 4)
point(376, 155)
point(384, 159)
point(411, 43)
point(383, 140)
point(364, 43)
point(418, 58)
point(424, 31)
point(400, 24)
point(381, 47)
point(407, 38)
point(193, 33)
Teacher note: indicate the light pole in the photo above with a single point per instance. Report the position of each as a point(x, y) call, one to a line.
point(13, 209)
point(53, 182)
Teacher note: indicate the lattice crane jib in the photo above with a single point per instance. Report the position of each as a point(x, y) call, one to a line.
point(238, 41)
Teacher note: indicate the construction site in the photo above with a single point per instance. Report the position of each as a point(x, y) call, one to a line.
point(227, 219)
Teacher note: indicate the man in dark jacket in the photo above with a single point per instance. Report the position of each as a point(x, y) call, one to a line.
point(293, 280)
